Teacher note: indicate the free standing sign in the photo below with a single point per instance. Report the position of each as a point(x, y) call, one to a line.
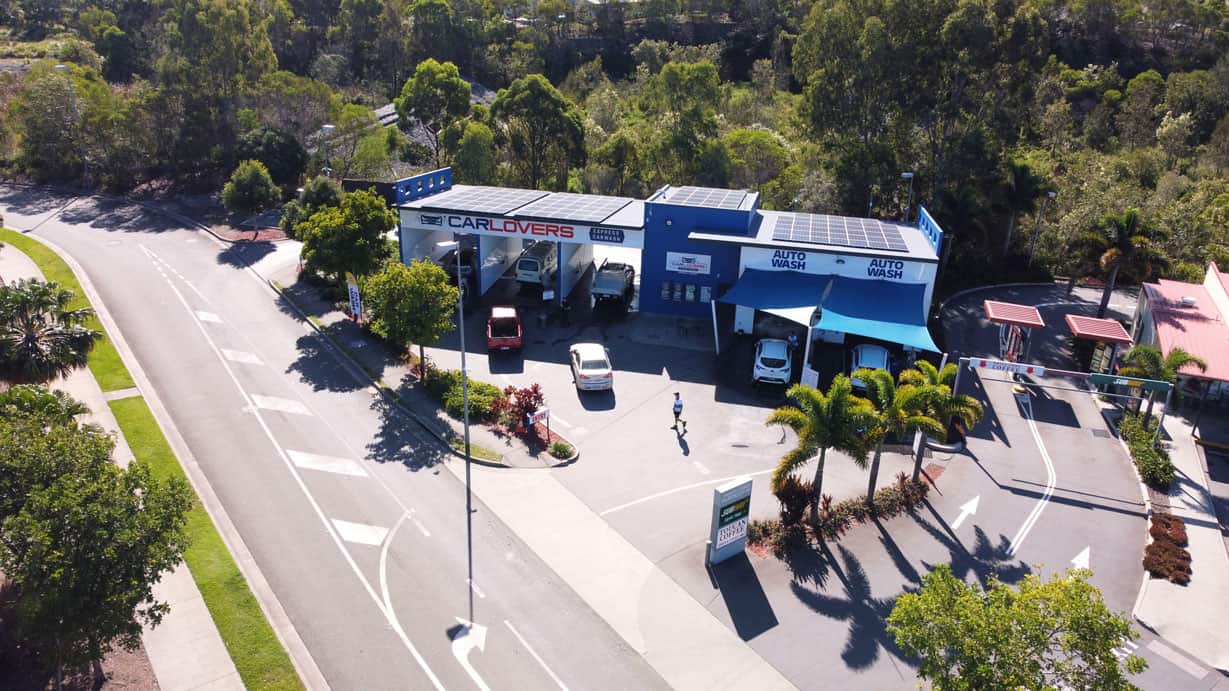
point(356, 300)
point(731, 515)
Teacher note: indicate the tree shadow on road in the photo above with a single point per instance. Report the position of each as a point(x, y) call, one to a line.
point(987, 557)
point(319, 367)
point(117, 215)
point(243, 254)
point(402, 439)
point(865, 613)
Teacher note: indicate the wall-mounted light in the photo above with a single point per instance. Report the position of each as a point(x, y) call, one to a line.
point(840, 261)
point(669, 222)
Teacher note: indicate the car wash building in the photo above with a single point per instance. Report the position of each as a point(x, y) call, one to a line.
point(700, 248)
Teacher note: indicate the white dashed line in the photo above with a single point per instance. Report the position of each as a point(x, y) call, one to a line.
point(1051, 480)
point(208, 317)
point(700, 467)
point(284, 405)
point(1178, 659)
point(477, 591)
point(241, 356)
point(556, 418)
point(421, 528)
point(326, 464)
point(360, 533)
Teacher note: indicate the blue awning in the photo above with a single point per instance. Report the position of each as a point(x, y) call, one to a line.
point(892, 312)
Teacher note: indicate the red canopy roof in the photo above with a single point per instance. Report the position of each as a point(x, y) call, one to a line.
point(1093, 329)
point(1011, 313)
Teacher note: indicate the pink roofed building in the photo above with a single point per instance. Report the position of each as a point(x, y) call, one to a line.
point(1195, 318)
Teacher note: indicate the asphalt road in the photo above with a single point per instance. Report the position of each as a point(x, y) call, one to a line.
point(361, 540)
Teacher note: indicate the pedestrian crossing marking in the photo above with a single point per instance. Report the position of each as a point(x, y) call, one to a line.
point(360, 533)
point(326, 464)
point(284, 405)
point(208, 317)
point(241, 356)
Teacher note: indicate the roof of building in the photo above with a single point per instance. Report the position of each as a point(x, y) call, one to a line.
point(1011, 313)
point(1094, 329)
point(589, 209)
point(833, 235)
point(1186, 317)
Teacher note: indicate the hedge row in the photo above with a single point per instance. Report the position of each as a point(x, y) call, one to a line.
point(1165, 557)
point(445, 386)
point(1153, 463)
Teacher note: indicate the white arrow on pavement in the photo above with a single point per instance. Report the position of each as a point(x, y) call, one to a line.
point(1081, 559)
point(468, 637)
point(969, 508)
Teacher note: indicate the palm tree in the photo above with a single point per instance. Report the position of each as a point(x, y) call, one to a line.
point(1146, 362)
point(31, 401)
point(1018, 194)
point(945, 404)
point(41, 338)
point(899, 410)
point(1124, 244)
point(822, 421)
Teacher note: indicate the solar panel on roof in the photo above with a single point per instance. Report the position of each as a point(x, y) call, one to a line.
point(819, 229)
point(489, 200)
point(707, 196)
point(590, 208)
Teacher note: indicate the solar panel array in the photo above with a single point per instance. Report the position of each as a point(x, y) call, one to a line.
point(487, 200)
point(707, 197)
point(589, 208)
point(818, 229)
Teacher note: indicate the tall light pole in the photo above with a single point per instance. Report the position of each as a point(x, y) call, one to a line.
point(469, 512)
point(85, 163)
point(1032, 246)
point(325, 132)
point(908, 175)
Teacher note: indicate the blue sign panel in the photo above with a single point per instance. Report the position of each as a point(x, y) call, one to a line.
point(611, 235)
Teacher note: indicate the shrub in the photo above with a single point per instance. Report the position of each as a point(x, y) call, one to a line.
point(1168, 526)
point(794, 496)
point(482, 400)
point(250, 189)
point(1164, 557)
point(1153, 464)
point(897, 498)
point(777, 537)
point(561, 449)
point(517, 405)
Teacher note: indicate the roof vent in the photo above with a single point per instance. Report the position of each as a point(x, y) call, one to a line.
point(1188, 301)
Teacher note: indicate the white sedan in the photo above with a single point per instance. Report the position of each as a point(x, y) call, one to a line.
point(772, 362)
point(591, 367)
point(870, 356)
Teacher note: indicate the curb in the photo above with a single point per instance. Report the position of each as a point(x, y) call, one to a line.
point(1143, 492)
point(360, 374)
point(309, 673)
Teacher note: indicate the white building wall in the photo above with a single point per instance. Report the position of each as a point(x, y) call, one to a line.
point(495, 257)
point(574, 260)
point(420, 244)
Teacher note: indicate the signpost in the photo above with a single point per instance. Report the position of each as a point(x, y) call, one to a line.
point(1012, 367)
point(731, 516)
point(1113, 379)
point(356, 300)
point(538, 416)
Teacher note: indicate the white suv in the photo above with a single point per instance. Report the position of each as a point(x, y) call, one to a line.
point(772, 362)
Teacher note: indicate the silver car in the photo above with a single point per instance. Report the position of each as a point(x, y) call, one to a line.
point(591, 367)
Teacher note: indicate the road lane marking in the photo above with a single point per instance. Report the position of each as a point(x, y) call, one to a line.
point(421, 528)
point(388, 613)
point(469, 636)
point(208, 317)
point(474, 587)
point(326, 464)
point(968, 509)
point(1082, 559)
point(700, 467)
point(241, 356)
point(1178, 659)
point(361, 533)
point(554, 677)
point(1051, 481)
point(684, 488)
point(282, 405)
point(560, 420)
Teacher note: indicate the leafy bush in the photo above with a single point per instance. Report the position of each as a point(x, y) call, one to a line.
point(517, 405)
point(897, 498)
point(1153, 464)
point(777, 537)
point(561, 449)
point(483, 398)
point(794, 496)
point(250, 189)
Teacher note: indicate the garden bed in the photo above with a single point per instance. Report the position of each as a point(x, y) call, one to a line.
point(1166, 556)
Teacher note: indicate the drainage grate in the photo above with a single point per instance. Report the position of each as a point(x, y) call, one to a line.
point(1103, 433)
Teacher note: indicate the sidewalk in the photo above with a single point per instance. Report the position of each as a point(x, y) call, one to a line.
point(1192, 616)
point(185, 650)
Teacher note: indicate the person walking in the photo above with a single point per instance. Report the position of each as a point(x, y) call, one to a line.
point(678, 412)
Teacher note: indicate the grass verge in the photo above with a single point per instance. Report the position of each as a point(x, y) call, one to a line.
point(258, 655)
point(475, 450)
point(104, 362)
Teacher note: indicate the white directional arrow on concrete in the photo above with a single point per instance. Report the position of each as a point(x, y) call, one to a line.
point(969, 508)
point(468, 637)
point(1081, 559)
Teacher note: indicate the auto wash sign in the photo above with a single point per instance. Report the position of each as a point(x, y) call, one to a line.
point(851, 266)
point(499, 226)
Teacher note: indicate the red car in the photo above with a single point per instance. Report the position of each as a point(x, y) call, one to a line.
point(503, 329)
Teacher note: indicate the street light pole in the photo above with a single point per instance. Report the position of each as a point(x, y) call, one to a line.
point(469, 496)
point(908, 175)
point(325, 131)
point(1032, 246)
point(85, 163)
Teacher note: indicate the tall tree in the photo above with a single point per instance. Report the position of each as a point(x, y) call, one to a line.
point(822, 421)
point(1043, 634)
point(1146, 362)
point(472, 154)
point(434, 97)
point(757, 157)
point(944, 405)
point(898, 411)
point(84, 541)
point(41, 335)
point(318, 193)
point(411, 304)
point(1018, 194)
point(250, 189)
point(1125, 244)
point(40, 403)
point(544, 130)
point(349, 237)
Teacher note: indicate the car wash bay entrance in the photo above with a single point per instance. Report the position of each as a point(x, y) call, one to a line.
point(503, 222)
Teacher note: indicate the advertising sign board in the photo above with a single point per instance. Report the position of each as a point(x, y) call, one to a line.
point(356, 299)
point(528, 229)
point(698, 264)
point(731, 516)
